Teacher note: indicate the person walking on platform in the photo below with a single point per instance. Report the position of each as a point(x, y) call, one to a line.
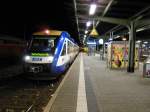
point(101, 54)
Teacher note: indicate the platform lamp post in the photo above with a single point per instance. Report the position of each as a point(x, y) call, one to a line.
point(131, 52)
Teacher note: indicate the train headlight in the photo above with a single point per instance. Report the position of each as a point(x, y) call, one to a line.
point(26, 58)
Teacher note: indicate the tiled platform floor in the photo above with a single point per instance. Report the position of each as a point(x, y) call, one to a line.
point(106, 90)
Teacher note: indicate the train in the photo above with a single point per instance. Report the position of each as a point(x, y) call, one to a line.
point(49, 54)
point(84, 49)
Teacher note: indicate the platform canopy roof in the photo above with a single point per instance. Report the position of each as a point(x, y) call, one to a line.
point(110, 15)
point(48, 32)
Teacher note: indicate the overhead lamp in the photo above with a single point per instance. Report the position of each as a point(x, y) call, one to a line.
point(143, 45)
point(92, 9)
point(101, 41)
point(138, 41)
point(118, 36)
point(141, 29)
point(124, 39)
point(145, 42)
point(86, 31)
point(84, 36)
point(88, 23)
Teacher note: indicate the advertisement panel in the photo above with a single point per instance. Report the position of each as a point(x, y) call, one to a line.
point(118, 55)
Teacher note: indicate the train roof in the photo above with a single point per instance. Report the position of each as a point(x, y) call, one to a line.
point(53, 33)
point(48, 32)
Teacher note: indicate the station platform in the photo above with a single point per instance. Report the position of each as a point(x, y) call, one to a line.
point(89, 86)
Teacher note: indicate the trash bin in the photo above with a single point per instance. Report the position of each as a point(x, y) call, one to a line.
point(146, 68)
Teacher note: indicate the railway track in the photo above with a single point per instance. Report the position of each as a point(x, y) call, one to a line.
point(22, 95)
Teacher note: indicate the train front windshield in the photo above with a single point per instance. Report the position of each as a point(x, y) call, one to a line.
point(43, 45)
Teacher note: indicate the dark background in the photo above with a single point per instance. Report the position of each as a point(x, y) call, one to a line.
point(22, 18)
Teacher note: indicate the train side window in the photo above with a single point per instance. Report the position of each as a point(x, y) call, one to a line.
point(70, 47)
point(64, 50)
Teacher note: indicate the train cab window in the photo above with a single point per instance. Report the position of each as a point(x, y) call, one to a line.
point(51, 43)
point(64, 50)
point(42, 45)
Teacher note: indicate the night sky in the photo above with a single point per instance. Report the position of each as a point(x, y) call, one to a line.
point(21, 18)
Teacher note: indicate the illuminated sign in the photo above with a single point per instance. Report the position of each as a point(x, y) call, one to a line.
point(39, 54)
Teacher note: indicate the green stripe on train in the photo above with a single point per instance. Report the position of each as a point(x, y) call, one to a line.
point(39, 54)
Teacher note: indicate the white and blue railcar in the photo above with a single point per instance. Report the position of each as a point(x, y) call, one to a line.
point(50, 52)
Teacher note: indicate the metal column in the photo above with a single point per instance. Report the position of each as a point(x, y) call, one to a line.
point(111, 35)
point(104, 40)
point(131, 55)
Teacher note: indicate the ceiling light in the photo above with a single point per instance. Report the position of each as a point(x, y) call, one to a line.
point(143, 45)
point(86, 31)
point(118, 36)
point(124, 39)
point(145, 42)
point(101, 41)
point(138, 41)
point(92, 9)
point(88, 23)
point(141, 29)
